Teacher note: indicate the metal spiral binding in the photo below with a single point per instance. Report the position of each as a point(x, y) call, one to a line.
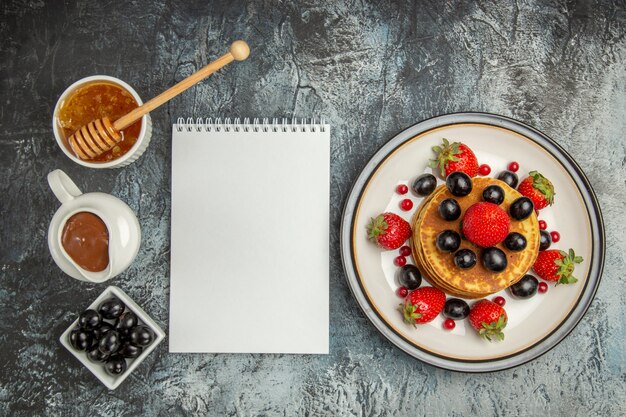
point(209, 124)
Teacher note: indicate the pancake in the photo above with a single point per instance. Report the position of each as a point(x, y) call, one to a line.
point(431, 276)
point(476, 282)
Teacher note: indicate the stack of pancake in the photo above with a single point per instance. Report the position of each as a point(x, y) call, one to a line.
point(439, 268)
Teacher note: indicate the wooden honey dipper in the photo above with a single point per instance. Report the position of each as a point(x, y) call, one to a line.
point(101, 135)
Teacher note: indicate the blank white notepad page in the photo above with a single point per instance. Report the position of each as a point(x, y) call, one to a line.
point(249, 241)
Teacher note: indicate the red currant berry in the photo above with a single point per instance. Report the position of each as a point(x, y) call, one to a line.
point(402, 292)
point(406, 204)
point(499, 301)
point(400, 261)
point(484, 170)
point(402, 189)
point(555, 236)
point(543, 287)
point(513, 166)
point(543, 225)
point(449, 324)
point(405, 251)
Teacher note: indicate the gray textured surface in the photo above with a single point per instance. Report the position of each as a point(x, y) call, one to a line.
point(371, 70)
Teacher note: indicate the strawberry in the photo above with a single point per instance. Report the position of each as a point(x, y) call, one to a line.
point(538, 188)
point(556, 265)
point(388, 231)
point(485, 224)
point(455, 156)
point(489, 319)
point(422, 305)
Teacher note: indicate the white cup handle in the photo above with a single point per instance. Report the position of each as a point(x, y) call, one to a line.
point(62, 186)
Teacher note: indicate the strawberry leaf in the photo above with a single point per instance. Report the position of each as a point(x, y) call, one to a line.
point(566, 267)
point(567, 280)
point(493, 330)
point(376, 227)
point(445, 153)
point(408, 312)
point(543, 185)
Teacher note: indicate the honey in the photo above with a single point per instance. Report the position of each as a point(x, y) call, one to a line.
point(94, 101)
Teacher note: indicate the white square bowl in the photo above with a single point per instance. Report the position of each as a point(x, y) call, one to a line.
point(112, 382)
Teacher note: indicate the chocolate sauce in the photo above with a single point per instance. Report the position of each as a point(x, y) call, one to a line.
point(86, 240)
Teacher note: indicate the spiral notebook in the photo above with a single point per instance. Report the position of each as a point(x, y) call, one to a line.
point(249, 237)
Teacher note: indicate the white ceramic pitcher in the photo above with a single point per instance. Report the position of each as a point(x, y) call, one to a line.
point(121, 222)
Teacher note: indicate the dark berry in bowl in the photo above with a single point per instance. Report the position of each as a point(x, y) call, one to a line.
point(95, 355)
point(525, 287)
point(110, 342)
point(130, 351)
point(410, 277)
point(99, 331)
point(521, 208)
point(459, 184)
point(111, 308)
point(493, 194)
point(424, 185)
point(81, 339)
point(448, 241)
point(509, 177)
point(515, 242)
point(545, 240)
point(465, 258)
point(125, 322)
point(89, 319)
point(116, 365)
point(494, 259)
point(141, 335)
point(449, 209)
point(456, 309)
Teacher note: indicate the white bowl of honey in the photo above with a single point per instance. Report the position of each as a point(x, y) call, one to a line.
point(94, 236)
point(93, 98)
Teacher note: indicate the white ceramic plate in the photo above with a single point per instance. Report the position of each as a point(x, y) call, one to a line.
point(112, 382)
point(534, 325)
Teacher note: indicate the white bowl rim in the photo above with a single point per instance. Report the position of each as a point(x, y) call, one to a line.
point(141, 315)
